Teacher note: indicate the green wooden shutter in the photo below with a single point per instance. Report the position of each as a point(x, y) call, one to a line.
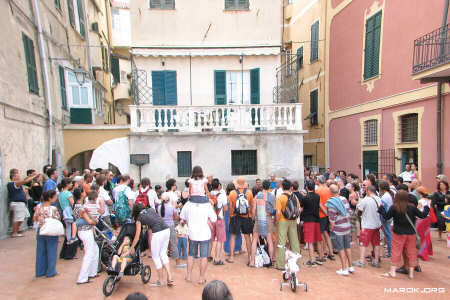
point(372, 46)
point(158, 87)
point(184, 162)
point(155, 4)
point(254, 86)
point(71, 12)
point(229, 4)
point(81, 18)
point(243, 4)
point(170, 87)
point(220, 87)
point(62, 85)
point(313, 107)
point(314, 41)
point(31, 64)
point(58, 4)
point(115, 69)
point(80, 115)
point(299, 58)
point(169, 4)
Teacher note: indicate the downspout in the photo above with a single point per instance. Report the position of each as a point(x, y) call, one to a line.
point(439, 95)
point(47, 93)
point(190, 77)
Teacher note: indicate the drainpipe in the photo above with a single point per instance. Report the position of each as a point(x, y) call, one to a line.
point(47, 93)
point(439, 96)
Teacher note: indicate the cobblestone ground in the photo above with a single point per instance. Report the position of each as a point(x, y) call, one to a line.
point(17, 281)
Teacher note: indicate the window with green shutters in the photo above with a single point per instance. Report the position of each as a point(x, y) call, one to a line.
point(299, 57)
point(80, 115)
point(58, 4)
point(164, 87)
point(313, 107)
point(71, 13)
point(220, 87)
point(81, 18)
point(254, 86)
point(62, 87)
point(244, 162)
point(162, 4)
point(372, 46)
point(184, 162)
point(30, 61)
point(236, 4)
point(314, 41)
point(115, 69)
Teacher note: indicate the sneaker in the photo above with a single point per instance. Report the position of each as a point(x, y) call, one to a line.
point(359, 264)
point(331, 257)
point(310, 264)
point(319, 262)
point(418, 269)
point(351, 270)
point(375, 264)
point(342, 272)
point(402, 270)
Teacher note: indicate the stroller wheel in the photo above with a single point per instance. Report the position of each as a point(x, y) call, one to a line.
point(146, 273)
point(285, 276)
point(293, 282)
point(108, 285)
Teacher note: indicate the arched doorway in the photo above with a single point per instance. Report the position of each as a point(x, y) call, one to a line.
point(80, 161)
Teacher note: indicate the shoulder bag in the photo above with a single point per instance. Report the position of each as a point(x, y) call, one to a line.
point(417, 235)
point(51, 227)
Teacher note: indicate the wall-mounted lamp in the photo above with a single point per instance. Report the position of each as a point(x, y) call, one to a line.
point(241, 59)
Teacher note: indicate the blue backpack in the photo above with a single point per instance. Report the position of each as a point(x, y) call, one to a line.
point(122, 208)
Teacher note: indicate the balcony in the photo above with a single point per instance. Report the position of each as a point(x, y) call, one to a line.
point(230, 118)
point(286, 90)
point(431, 59)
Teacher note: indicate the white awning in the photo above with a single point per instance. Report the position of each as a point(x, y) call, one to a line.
point(205, 51)
point(115, 152)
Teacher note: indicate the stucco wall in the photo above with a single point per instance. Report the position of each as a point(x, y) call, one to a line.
point(203, 74)
point(279, 152)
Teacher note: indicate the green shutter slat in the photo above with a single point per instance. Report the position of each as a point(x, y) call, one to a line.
point(30, 64)
point(158, 87)
point(71, 12)
point(220, 87)
point(155, 4)
point(62, 84)
point(314, 41)
point(115, 69)
point(299, 57)
point(80, 116)
point(169, 4)
point(170, 87)
point(254, 86)
point(229, 4)
point(372, 46)
point(81, 18)
point(313, 107)
point(243, 4)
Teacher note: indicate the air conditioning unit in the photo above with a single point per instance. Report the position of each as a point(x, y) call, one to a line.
point(94, 27)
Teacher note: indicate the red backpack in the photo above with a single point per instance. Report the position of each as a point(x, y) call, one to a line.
point(143, 197)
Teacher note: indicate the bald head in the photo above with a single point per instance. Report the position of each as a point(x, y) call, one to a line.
point(334, 189)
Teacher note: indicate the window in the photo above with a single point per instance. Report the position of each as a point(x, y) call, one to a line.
point(71, 13)
point(299, 57)
point(236, 4)
point(164, 87)
point(98, 99)
point(371, 132)
point(314, 41)
point(237, 87)
point(307, 161)
point(162, 4)
point(115, 69)
point(30, 61)
point(372, 46)
point(184, 162)
point(76, 16)
point(78, 95)
point(62, 87)
point(409, 128)
point(288, 62)
point(243, 162)
point(313, 107)
point(58, 4)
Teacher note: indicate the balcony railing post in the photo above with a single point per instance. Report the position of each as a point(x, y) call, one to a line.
point(133, 118)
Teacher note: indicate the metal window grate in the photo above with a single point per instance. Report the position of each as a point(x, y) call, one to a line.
point(244, 162)
point(307, 160)
point(371, 132)
point(237, 4)
point(387, 162)
point(184, 161)
point(409, 130)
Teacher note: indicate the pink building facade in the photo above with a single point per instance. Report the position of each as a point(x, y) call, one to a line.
point(380, 117)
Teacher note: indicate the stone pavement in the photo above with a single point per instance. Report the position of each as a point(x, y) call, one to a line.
point(17, 281)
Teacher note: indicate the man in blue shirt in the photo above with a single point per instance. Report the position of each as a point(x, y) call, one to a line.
point(50, 184)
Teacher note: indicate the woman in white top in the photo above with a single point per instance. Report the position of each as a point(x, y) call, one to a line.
point(198, 186)
point(104, 200)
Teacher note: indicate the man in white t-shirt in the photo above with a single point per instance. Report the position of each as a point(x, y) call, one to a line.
point(218, 235)
point(407, 174)
point(171, 186)
point(199, 218)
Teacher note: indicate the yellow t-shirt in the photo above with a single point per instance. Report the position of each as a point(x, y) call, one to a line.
point(280, 205)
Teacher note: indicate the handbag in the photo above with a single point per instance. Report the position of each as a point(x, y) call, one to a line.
point(417, 235)
point(51, 227)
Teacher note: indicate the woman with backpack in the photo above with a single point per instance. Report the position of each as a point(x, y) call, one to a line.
point(146, 195)
point(263, 213)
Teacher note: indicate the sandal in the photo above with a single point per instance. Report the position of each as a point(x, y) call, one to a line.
point(229, 261)
point(387, 275)
point(202, 282)
point(170, 283)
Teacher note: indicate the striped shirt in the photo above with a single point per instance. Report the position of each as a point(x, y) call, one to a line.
point(342, 225)
point(92, 210)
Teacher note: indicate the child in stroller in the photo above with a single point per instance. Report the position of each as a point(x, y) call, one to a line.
point(125, 256)
point(134, 264)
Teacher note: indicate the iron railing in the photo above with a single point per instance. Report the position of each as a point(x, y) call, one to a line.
point(431, 50)
point(286, 90)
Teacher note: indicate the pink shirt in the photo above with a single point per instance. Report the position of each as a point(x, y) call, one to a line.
point(198, 186)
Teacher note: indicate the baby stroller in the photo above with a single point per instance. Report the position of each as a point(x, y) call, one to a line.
point(106, 244)
point(135, 267)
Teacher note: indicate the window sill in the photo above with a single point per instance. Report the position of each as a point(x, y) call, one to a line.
point(236, 10)
point(164, 9)
point(314, 61)
point(372, 78)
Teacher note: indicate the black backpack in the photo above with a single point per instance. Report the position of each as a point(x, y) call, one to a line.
point(292, 211)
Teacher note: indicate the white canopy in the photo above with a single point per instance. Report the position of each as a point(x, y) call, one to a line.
point(116, 152)
point(145, 52)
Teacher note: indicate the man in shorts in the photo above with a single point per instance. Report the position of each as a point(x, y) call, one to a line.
point(240, 223)
point(370, 225)
point(324, 193)
point(339, 212)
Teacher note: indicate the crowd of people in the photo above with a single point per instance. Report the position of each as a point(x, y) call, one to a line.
point(388, 217)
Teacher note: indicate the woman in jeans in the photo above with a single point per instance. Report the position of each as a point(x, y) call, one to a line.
point(89, 213)
point(387, 197)
point(170, 215)
point(46, 246)
point(403, 237)
point(160, 239)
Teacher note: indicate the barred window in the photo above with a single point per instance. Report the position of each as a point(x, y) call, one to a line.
point(371, 132)
point(409, 128)
point(307, 160)
point(243, 162)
